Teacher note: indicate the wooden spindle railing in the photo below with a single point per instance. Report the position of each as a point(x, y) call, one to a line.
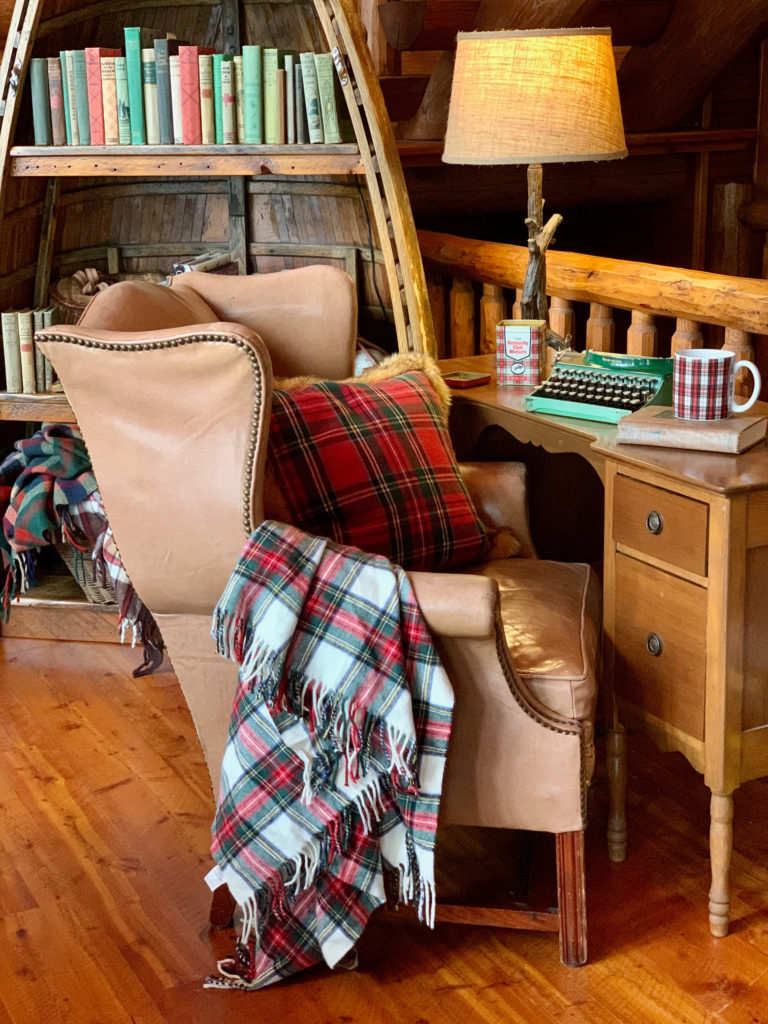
point(486, 279)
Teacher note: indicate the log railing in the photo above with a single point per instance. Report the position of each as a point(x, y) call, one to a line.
point(604, 304)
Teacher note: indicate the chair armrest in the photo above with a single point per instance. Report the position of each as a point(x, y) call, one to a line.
point(498, 490)
point(456, 604)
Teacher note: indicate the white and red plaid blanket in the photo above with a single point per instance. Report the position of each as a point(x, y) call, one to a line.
point(332, 775)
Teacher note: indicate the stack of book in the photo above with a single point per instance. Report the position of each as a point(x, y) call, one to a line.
point(27, 371)
point(160, 91)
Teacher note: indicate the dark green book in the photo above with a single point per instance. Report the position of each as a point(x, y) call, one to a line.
point(41, 101)
point(164, 48)
point(81, 97)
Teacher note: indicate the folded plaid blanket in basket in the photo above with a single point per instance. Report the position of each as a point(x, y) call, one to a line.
point(332, 774)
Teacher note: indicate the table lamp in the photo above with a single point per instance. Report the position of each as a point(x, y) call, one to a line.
point(534, 97)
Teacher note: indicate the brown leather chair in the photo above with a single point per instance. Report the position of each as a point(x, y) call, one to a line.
point(171, 388)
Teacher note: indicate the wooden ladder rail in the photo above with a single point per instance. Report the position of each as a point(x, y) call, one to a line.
point(384, 175)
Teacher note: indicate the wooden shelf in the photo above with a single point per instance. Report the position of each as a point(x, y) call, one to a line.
point(190, 161)
point(34, 408)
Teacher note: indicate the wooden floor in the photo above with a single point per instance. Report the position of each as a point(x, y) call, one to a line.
point(104, 827)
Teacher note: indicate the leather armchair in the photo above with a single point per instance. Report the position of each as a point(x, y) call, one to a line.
point(171, 388)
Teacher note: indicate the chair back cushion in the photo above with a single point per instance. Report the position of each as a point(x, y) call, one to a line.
point(306, 316)
point(144, 306)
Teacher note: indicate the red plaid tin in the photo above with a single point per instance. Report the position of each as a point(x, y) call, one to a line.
point(520, 351)
point(703, 384)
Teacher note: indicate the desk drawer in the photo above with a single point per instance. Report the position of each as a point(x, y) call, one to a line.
point(661, 623)
point(662, 524)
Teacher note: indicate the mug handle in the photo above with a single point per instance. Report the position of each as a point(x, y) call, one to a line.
point(758, 383)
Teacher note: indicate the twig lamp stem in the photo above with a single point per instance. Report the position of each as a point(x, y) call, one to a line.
point(534, 301)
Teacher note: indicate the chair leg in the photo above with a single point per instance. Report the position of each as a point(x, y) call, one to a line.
point(222, 908)
point(571, 898)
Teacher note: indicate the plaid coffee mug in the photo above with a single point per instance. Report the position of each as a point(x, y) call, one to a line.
point(703, 384)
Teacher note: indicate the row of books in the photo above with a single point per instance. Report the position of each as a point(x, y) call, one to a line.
point(163, 92)
point(27, 371)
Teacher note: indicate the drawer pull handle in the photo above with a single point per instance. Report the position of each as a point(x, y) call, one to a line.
point(654, 645)
point(654, 521)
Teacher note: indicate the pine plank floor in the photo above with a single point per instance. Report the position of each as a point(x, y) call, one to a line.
point(105, 813)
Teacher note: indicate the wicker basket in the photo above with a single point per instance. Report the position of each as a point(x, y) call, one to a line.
point(72, 294)
point(81, 570)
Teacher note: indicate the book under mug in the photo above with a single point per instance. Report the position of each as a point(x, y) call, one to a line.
point(657, 425)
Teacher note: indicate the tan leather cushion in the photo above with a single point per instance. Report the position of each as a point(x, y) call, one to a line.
point(143, 306)
point(307, 316)
point(551, 613)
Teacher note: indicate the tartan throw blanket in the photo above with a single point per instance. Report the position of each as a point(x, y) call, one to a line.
point(48, 491)
point(331, 778)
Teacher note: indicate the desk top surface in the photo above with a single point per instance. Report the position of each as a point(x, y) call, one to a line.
point(712, 471)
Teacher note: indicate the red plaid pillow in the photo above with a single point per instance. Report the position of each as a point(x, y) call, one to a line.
point(371, 465)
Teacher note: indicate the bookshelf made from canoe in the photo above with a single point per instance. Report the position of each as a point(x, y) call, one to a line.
point(138, 209)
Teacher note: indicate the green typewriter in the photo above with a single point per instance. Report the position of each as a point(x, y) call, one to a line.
point(602, 385)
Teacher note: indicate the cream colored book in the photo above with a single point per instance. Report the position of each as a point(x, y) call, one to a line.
point(11, 352)
point(173, 74)
point(27, 349)
point(149, 92)
point(207, 117)
point(239, 97)
point(657, 425)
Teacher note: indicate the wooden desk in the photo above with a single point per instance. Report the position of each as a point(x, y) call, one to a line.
point(685, 600)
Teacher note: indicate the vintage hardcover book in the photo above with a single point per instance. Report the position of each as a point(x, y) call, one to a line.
point(65, 96)
point(175, 77)
point(149, 95)
point(189, 84)
point(253, 106)
point(311, 98)
point(228, 92)
point(326, 87)
point(109, 102)
point(41, 101)
point(217, 111)
point(239, 96)
point(93, 72)
point(135, 90)
point(50, 316)
point(81, 97)
point(26, 330)
point(207, 111)
point(280, 126)
point(123, 102)
point(657, 425)
point(69, 81)
point(164, 50)
point(290, 99)
point(302, 132)
point(56, 101)
point(9, 323)
point(38, 322)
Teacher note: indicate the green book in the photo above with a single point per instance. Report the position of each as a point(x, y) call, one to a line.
point(123, 102)
point(252, 98)
point(228, 100)
point(65, 96)
point(326, 88)
point(41, 101)
point(81, 97)
point(311, 98)
point(216, 59)
point(135, 87)
point(164, 48)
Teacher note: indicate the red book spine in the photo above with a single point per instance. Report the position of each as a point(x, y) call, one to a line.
point(93, 55)
point(189, 82)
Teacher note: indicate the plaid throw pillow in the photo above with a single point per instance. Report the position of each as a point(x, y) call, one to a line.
point(371, 465)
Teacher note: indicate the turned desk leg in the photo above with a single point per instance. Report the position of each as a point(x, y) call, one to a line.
point(616, 749)
point(720, 847)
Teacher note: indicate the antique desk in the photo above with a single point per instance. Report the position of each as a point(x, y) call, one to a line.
point(685, 599)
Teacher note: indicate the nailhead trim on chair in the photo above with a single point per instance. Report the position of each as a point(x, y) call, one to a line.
point(503, 653)
point(189, 339)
